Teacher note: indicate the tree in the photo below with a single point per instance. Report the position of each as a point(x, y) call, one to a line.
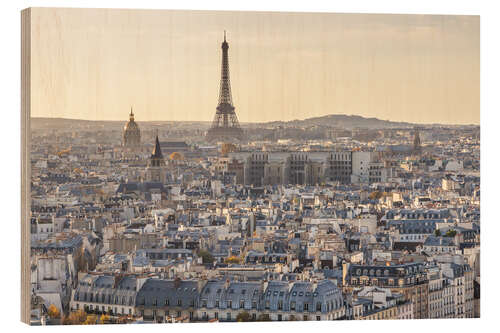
point(228, 148)
point(263, 317)
point(75, 318)
point(437, 232)
point(206, 256)
point(104, 319)
point(233, 260)
point(243, 317)
point(450, 233)
point(91, 320)
point(53, 312)
point(375, 195)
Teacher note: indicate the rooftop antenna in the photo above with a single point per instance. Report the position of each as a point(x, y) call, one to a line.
point(224, 35)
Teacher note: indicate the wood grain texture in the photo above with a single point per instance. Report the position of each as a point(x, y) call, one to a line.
point(25, 163)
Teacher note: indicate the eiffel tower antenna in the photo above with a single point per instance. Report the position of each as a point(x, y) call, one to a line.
point(225, 126)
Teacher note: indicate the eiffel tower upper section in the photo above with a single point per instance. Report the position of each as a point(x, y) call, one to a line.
point(225, 126)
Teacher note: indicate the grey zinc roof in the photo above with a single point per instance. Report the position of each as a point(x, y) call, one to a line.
point(156, 292)
point(107, 289)
point(439, 241)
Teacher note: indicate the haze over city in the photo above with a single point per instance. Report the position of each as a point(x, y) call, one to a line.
point(96, 63)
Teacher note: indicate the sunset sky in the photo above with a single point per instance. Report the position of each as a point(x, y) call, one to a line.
point(96, 63)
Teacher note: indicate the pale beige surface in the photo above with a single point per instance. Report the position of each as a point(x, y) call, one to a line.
point(25, 163)
point(96, 63)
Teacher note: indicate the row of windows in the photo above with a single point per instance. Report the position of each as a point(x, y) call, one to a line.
point(103, 308)
point(293, 305)
point(167, 302)
point(103, 298)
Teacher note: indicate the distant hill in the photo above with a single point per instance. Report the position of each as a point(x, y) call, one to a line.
point(342, 121)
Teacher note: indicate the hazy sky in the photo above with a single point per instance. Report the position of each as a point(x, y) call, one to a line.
point(96, 64)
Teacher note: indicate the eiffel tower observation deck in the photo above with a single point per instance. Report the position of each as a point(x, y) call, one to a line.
point(225, 126)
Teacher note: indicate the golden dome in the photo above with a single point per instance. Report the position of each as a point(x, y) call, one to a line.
point(176, 156)
point(131, 132)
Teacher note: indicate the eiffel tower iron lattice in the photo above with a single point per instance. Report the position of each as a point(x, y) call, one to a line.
point(225, 126)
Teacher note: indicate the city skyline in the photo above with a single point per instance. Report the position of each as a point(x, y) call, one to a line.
point(284, 66)
point(332, 218)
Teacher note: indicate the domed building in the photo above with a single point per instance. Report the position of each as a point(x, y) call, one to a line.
point(131, 133)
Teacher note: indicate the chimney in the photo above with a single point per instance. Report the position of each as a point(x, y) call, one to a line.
point(265, 283)
point(201, 283)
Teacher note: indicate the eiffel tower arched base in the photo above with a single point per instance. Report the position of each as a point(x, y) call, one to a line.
point(225, 134)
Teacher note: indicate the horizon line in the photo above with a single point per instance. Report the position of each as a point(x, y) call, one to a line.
point(260, 122)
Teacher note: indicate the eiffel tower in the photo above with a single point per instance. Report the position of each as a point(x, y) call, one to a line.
point(225, 126)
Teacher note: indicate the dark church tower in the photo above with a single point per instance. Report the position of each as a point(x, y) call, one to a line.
point(156, 165)
point(416, 142)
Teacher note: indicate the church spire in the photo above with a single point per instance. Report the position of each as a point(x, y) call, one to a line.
point(157, 150)
point(416, 141)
